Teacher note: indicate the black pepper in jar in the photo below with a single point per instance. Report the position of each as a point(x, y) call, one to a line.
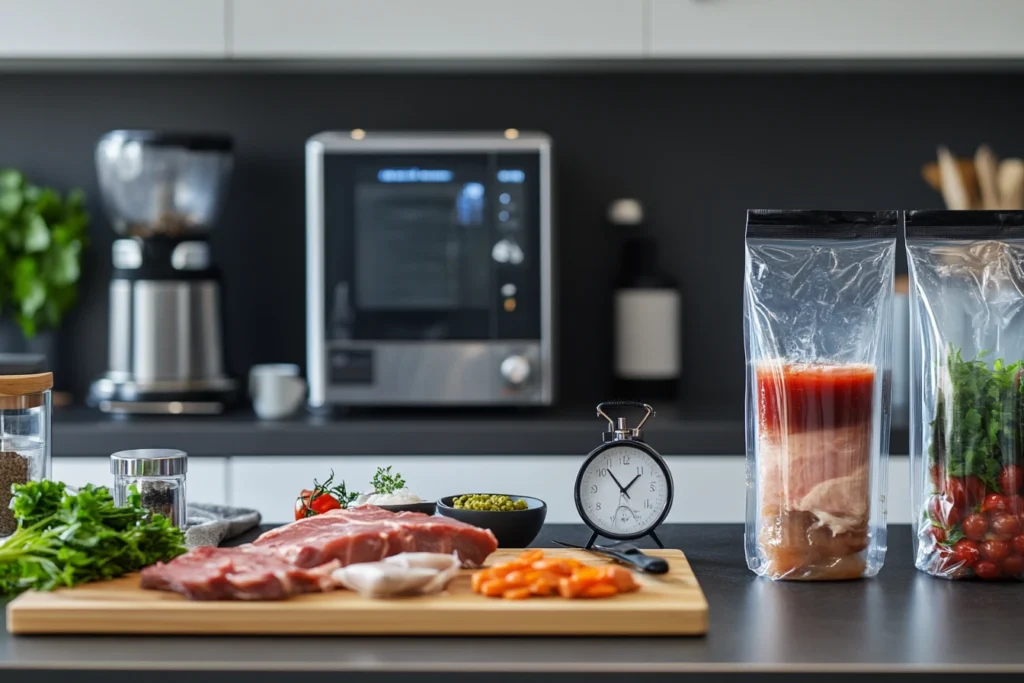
point(13, 470)
point(159, 497)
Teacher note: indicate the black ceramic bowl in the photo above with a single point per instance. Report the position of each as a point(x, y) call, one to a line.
point(425, 508)
point(512, 528)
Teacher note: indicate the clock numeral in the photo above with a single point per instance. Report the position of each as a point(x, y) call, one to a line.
point(593, 488)
point(603, 472)
point(647, 503)
point(652, 487)
point(639, 470)
point(624, 460)
point(597, 505)
point(607, 462)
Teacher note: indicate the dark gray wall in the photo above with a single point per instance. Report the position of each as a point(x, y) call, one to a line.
point(698, 149)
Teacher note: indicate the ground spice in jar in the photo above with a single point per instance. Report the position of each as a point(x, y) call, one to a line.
point(13, 470)
point(160, 497)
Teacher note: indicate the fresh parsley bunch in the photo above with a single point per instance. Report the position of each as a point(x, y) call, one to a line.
point(385, 482)
point(65, 539)
point(982, 421)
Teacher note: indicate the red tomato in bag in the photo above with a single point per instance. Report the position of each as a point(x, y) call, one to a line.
point(1010, 479)
point(1018, 545)
point(966, 553)
point(1013, 566)
point(956, 491)
point(1005, 526)
point(975, 527)
point(995, 551)
point(995, 502)
point(987, 570)
point(976, 490)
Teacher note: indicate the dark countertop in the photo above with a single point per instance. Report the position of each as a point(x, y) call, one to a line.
point(900, 622)
point(555, 431)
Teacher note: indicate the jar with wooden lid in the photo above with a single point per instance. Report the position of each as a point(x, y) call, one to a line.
point(24, 437)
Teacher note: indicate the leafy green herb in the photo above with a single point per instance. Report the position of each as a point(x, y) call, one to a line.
point(66, 539)
point(979, 429)
point(953, 536)
point(42, 236)
point(385, 482)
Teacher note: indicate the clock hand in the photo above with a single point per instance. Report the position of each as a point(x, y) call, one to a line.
point(627, 485)
point(618, 484)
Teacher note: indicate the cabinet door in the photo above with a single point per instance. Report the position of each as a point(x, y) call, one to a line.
point(838, 29)
point(438, 28)
point(112, 28)
point(206, 481)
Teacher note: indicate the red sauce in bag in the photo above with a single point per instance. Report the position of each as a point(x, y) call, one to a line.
point(815, 439)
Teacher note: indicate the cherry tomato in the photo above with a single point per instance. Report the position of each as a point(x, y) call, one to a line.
point(1018, 545)
point(1013, 566)
point(995, 551)
point(319, 505)
point(1015, 505)
point(987, 570)
point(966, 553)
point(975, 490)
point(956, 491)
point(938, 533)
point(943, 511)
point(975, 527)
point(1010, 479)
point(937, 473)
point(995, 502)
point(1005, 526)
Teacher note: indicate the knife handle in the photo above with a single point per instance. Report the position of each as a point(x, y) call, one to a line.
point(642, 561)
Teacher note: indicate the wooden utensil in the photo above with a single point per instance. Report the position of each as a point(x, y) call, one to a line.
point(954, 191)
point(1010, 182)
point(930, 173)
point(986, 165)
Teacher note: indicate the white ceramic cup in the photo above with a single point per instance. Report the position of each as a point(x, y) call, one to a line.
point(276, 390)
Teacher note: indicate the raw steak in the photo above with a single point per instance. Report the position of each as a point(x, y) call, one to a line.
point(243, 573)
point(369, 534)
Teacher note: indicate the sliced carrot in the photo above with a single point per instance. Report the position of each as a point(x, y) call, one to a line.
point(567, 588)
point(600, 590)
point(479, 579)
point(493, 589)
point(621, 578)
point(516, 594)
point(542, 588)
point(531, 556)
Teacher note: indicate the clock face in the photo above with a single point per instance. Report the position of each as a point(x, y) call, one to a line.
point(623, 491)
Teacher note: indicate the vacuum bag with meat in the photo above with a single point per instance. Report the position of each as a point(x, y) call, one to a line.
point(818, 296)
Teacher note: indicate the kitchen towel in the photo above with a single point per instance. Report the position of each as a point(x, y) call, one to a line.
point(213, 524)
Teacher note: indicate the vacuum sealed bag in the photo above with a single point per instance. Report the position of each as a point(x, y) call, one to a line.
point(818, 298)
point(967, 401)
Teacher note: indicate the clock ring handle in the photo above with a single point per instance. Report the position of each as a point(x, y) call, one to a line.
point(625, 404)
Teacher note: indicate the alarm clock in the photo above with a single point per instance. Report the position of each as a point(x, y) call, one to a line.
point(624, 488)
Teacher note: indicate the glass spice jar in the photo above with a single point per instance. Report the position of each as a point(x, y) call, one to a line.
point(159, 476)
point(24, 437)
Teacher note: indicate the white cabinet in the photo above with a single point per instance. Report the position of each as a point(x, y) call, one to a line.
point(112, 28)
point(841, 29)
point(206, 478)
point(436, 28)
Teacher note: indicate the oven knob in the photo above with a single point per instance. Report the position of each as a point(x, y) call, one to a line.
point(515, 370)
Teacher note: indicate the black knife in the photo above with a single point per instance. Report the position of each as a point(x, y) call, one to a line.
point(627, 554)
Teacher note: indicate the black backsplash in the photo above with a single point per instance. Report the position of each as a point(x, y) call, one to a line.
point(697, 148)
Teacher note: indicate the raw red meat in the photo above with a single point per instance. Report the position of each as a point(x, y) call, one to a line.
point(369, 534)
point(243, 573)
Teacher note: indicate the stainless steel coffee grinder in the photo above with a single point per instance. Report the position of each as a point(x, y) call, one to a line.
point(163, 193)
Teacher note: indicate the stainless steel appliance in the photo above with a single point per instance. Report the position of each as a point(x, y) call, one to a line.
point(429, 269)
point(163, 193)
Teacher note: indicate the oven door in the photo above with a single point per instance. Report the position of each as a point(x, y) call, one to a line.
point(431, 277)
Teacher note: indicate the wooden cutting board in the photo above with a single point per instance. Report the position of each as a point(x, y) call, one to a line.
point(669, 604)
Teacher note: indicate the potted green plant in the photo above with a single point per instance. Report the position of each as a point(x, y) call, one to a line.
point(42, 237)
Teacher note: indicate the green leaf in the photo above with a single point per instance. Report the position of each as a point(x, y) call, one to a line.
point(37, 237)
point(11, 179)
point(10, 202)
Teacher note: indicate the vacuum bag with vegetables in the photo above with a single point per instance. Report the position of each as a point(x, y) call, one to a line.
point(967, 401)
point(818, 297)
